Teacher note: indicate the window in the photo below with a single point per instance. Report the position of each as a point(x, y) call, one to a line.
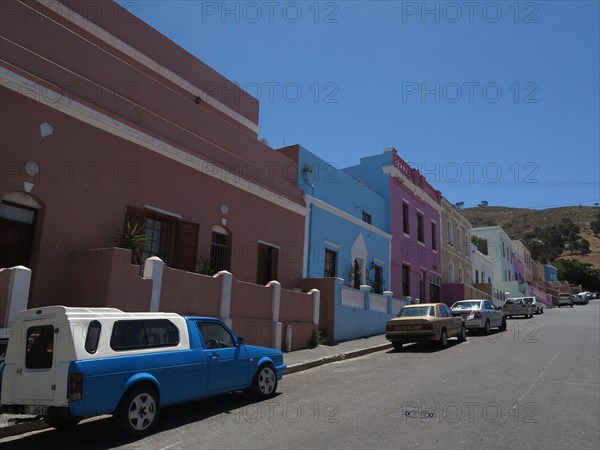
point(420, 228)
point(460, 275)
point(171, 239)
point(267, 264)
point(215, 335)
point(405, 218)
point(433, 236)
point(405, 280)
point(366, 217)
point(92, 337)
point(450, 233)
point(468, 278)
point(488, 305)
point(219, 252)
point(377, 279)
point(443, 311)
point(434, 293)
point(422, 285)
point(460, 239)
point(135, 334)
point(482, 246)
point(477, 276)
point(451, 273)
point(157, 238)
point(40, 347)
point(330, 264)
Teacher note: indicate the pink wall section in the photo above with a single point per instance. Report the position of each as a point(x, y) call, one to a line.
point(190, 294)
point(103, 278)
point(251, 300)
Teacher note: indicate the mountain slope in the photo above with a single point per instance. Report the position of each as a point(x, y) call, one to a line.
point(517, 222)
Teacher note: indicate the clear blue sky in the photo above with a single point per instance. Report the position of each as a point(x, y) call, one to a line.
point(495, 101)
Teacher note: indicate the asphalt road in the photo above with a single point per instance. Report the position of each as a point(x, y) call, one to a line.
point(537, 385)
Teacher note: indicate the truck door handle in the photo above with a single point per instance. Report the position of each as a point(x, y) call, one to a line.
point(214, 356)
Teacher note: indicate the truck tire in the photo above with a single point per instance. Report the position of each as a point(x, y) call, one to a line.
point(138, 411)
point(265, 382)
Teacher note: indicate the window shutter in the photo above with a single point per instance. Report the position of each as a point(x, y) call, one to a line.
point(186, 246)
point(134, 216)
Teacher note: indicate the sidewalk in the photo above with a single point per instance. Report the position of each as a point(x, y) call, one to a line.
point(296, 361)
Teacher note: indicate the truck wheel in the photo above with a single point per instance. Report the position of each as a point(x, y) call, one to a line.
point(138, 411)
point(62, 422)
point(265, 382)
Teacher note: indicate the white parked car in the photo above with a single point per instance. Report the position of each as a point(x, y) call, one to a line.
point(480, 315)
point(580, 299)
point(565, 300)
point(536, 305)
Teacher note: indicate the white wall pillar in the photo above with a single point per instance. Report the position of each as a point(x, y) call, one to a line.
point(316, 295)
point(18, 293)
point(276, 307)
point(225, 300)
point(153, 270)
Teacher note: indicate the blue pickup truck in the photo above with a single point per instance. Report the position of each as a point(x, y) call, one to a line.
point(66, 363)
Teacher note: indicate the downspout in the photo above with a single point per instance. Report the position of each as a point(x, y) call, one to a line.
point(307, 233)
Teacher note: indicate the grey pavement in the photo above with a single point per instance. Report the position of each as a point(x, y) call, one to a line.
point(296, 361)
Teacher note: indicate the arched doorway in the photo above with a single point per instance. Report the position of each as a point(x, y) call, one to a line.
point(18, 215)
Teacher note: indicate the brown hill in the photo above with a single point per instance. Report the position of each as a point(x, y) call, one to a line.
point(517, 222)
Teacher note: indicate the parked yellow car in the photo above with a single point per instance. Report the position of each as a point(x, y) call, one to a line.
point(425, 322)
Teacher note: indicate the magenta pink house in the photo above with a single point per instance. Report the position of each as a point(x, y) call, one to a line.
point(413, 220)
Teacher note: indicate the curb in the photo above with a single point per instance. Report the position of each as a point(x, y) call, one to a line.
point(21, 428)
point(341, 357)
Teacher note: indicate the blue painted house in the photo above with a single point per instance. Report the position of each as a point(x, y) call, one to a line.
point(345, 239)
point(550, 274)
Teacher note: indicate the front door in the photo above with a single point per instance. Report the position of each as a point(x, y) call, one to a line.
point(227, 362)
point(17, 224)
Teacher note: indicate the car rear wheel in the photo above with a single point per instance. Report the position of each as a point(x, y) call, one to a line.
point(486, 328)
point(503, 325)
point(265, 382)
point(443, 342)
point(462, 337)
point(138, 411)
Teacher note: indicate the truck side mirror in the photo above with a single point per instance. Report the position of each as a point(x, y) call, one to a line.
point(240, 340)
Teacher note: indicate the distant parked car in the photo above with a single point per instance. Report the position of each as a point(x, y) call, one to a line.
point(565, 300)
point(517, 307)
point(580, 299)
point(536, 305)
point(425, 322)
point(480, 315)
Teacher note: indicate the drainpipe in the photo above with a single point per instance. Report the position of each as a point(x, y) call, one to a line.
point(307, 233)
point(288, 338)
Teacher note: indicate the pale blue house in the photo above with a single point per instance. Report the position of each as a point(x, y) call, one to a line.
point(550, 273)
point(345, 239)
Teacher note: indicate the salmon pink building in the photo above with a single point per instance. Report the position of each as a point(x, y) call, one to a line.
point(108, 127)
